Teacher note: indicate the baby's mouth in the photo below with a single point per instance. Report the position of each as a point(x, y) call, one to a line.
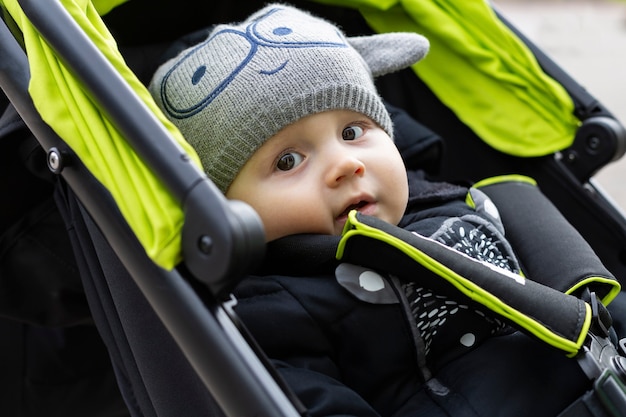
point(351, 207)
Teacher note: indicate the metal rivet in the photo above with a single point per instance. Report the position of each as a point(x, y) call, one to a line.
point(593, 142)
point(571, 156)
point(205, 244)
point(55, 160)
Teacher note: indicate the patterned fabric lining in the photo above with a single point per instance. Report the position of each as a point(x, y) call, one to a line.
point(434, 313)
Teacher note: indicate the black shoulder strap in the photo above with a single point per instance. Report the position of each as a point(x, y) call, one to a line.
point(550, 249)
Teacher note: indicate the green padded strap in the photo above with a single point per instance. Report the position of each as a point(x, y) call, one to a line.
point(557, 319)
point(482, 71)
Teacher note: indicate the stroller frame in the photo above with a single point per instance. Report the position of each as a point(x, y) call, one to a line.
point(221, 239)
point(203, 328)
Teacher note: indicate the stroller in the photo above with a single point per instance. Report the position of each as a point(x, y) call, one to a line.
point(149, 251)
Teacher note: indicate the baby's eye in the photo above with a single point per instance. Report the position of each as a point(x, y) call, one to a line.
point(289, 161)
point(352, 132)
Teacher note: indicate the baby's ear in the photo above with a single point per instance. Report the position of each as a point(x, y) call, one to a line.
point(390, 52)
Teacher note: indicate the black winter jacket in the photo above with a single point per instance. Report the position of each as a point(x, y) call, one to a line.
point(343, 353)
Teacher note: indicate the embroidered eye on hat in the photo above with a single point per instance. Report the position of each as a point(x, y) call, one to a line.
point(245, 82)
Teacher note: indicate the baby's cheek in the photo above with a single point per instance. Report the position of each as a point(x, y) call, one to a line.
point(401, 201)
point(284, 222)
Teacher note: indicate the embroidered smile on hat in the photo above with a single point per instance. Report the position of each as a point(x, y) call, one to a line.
point(245, 82)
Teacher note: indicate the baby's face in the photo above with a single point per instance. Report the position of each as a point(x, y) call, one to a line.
point(307, 177)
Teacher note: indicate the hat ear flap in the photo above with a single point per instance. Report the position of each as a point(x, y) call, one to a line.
point(390, 52)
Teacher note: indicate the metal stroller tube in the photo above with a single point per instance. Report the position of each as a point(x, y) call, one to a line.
point(205, 333)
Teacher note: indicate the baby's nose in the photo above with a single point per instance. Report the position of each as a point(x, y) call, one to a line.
point(342, 169)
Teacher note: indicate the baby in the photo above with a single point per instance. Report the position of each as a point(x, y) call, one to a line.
point(284, 114)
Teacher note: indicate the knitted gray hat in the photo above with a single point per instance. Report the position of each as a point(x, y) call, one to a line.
point(247, 81)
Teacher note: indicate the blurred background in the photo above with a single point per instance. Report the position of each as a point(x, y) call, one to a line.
point(587, 38)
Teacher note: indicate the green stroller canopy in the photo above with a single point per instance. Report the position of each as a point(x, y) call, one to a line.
point(150, 211)
point(476, 66)
point(481, 70)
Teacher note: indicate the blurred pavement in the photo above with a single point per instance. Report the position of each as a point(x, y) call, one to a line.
point(586, 38)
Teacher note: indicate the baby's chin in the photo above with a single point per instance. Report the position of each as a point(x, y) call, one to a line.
point(393, 220)
point(336, 229)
